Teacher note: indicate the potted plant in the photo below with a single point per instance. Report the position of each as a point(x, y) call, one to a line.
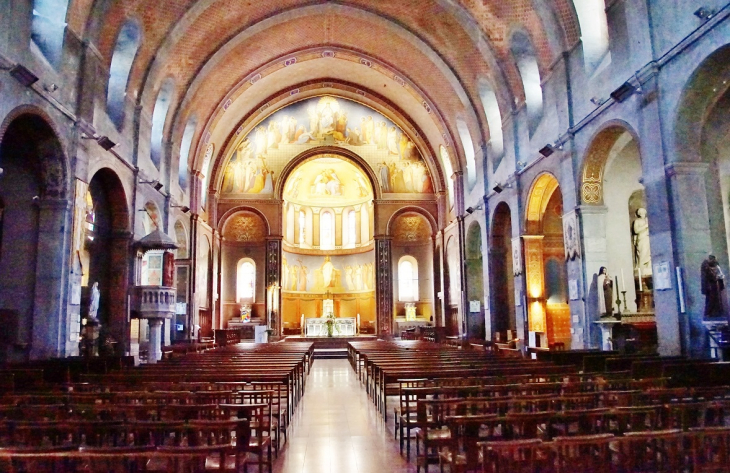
point(330, 322)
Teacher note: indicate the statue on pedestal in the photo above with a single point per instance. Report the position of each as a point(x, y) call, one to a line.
point(642, 250)
point(605, 293)
point(713, 283)
point(94, 302)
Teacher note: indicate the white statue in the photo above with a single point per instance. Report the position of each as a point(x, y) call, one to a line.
point(94, 302)
point(642, 251)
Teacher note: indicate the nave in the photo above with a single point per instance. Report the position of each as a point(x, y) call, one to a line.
point(338, 429)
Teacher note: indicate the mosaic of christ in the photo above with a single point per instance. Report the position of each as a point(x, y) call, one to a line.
point(259, 157)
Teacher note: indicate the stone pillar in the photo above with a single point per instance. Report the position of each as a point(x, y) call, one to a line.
point(118, 280)
point(463, 280)
point(273, 284)
point(693, 235)
point(155, 347)
point(49, 314)
point(592, 223)
point(384, 285)
point(438, 274)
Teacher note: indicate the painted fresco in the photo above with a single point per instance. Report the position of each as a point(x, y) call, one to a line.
point(320, 274)
point(327, 181)
point(260, 156)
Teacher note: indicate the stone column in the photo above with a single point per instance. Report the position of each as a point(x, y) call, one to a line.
point(49, 314)
point(155, 347)
point(119, 280)
point(273, 284)
point(592, 224)
point(384, 285)
point(438, 274)
point(693, 235)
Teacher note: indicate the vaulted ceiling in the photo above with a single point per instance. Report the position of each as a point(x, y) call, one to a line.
point(421, 60)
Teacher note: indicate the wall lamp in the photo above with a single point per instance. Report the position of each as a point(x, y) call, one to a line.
point(470, 210)
point(547, 150)
point(156, 184)
point(183, 208)
point(23, 75)
point(103, 141)
point(704, 14)
point(623, 92)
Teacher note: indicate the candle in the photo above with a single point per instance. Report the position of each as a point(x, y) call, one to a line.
point(641, 289)
point(623, 280)
point(616, 277)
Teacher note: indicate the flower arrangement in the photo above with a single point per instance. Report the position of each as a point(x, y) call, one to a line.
point(330, 322)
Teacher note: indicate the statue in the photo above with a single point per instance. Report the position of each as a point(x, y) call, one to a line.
point(94, 302)
point(605, 293)
point(713, 283)
point(642, 251)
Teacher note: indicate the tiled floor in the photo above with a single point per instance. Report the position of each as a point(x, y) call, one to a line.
point(336, 428)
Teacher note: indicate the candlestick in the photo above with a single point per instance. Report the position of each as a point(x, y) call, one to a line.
point(641, 288)
point(618, 297)
point(623, 280)
point(626, 306)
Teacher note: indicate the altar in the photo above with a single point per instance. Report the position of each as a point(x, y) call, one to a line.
point(343, 327)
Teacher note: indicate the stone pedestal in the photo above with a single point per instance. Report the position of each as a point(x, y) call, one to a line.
point(606, 325)
point(155, 347)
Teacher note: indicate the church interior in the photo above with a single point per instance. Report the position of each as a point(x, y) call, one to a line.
point(491, 209)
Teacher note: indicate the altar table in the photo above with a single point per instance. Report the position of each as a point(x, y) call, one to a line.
point(344, 327)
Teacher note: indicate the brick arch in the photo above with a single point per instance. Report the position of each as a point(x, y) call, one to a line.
point(705, 86)
point(541, 192)
point(44, 134)
point(228, 215)
point(594, 161)
point(411, 209)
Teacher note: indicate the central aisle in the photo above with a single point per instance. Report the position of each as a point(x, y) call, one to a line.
point(337, 429)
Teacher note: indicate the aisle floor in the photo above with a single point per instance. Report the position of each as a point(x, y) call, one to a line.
point(337, 428)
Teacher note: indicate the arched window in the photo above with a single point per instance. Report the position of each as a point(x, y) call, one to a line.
point(246, 281)
point(185, 144)
point(468, 144)
point(124, 52)
point(593, 31)
point(158, 120)
point(494, 119)
point(449, 171)
point(326, 230)
point(407, 279)
point(48, 27)
point(525, 58)
point(352, 227)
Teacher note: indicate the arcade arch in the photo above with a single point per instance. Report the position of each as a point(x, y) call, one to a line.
point(501, 274)
point(545, 270)
point(613, 191)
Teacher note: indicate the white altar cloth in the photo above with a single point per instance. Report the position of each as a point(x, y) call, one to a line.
point(344, 327)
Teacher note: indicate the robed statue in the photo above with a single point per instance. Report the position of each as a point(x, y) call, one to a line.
point(94, 302)
point(713, 285)
point(605, 293)
point(642, 250)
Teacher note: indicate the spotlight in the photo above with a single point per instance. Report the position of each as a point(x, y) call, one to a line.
point(597, 101)
point(624, 91)
point(105, 143)
point(704, 14)
point(547, 150)
point(23, 75)
point(471, 210)
point(183, 208)
point(156, 184)
point(498, 189)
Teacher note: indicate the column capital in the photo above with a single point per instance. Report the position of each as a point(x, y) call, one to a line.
point(686, 168)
